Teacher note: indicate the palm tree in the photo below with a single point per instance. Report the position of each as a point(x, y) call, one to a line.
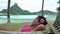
point(8, 12)
point(58, 15)
point(42, 7)
point(58, 8)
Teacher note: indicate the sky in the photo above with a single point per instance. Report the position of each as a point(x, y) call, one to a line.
point(31, 5)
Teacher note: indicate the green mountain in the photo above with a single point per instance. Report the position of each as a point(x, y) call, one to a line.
point(16, 10)
point(47, 12)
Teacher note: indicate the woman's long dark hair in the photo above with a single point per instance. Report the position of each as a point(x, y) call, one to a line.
point(40, 17)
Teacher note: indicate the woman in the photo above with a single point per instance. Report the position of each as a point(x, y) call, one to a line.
point(38, 24)
point(42, 20)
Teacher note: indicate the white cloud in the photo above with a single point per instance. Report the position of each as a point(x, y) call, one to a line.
point(3, 4)
point(32, 5)
point(50, 5)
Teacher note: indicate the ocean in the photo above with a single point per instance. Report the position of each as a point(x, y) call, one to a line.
point(24, 18)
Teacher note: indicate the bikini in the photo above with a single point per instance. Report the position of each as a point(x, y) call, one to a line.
point(26, 28)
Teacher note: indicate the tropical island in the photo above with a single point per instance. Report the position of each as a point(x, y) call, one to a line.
point(16, 10)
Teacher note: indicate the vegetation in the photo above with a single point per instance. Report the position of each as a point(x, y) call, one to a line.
point(58, 8)
point(16, 10)
point(16, 26)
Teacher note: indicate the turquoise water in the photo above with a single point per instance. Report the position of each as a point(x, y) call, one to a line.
point(20, 16)
point(24, 18)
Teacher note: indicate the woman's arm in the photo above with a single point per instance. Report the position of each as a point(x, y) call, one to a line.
point(39, 28)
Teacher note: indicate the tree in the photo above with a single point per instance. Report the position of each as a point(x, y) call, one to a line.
point(58, 9)
point(57, 21)
point(8, 12)
point(58, 14)
point(42, 7)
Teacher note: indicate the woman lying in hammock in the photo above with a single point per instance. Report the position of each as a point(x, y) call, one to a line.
point(38, 24)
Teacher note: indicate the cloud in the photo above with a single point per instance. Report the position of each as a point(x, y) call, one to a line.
point(3, 4)
point(31, 5)
point(35, 5)
point(50, 5)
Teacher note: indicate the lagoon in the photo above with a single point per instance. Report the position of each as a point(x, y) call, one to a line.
point(24, 18)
